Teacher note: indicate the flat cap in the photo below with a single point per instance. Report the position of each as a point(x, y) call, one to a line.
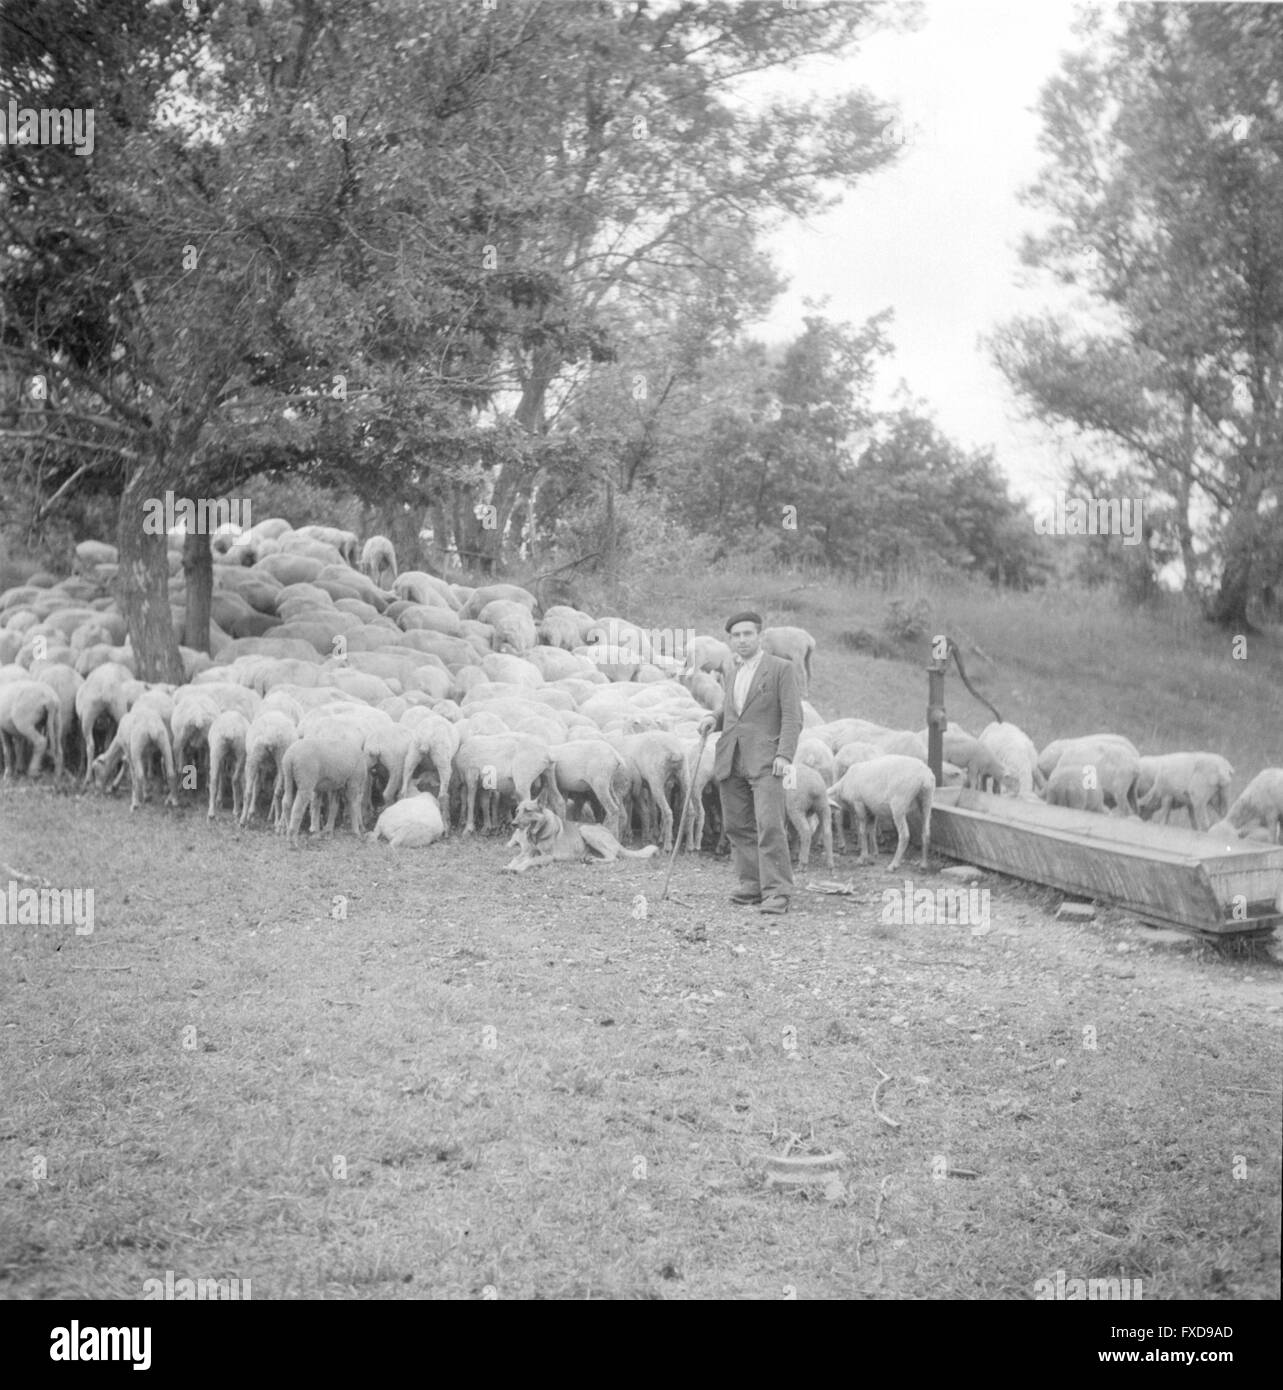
point(746, 617)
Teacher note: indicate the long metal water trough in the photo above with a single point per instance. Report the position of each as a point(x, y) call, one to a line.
point(1204, 884)
point(1182, 878)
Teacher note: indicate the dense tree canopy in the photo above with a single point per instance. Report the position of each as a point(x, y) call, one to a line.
point(1165, 184)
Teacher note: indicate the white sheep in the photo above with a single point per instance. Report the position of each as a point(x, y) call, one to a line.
point(1259, 804)
point(842, 731)
point(561, 627)
point(1057, 748)
point(193, 718)
point(27, 706)
point(904, 742)
point(141, 734)
point(271, 732)
point(502, 765)
point(378, 561)
point(1095, 773)
point(514, 628)
point(660, 762)
point(1199, 782)
point(709, 654)
point(319, 764)
point(103, 695)
point(890, 785)
point(412, 823)
point(699, 775)
point(1014, 749)
point(706, 689)
point(436, 739)
point(794, 644)
point(856, 751)
point(805, 795)
point(814, 752)
point(227, 737)
point(585, 766)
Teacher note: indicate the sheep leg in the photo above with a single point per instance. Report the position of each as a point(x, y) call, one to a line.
point(215, 780)
point(826, 833)
point(902, 838)
point(298, 807)
point(444, 771)
point(26, 728)
point(665, 818)
point(238, 797)
point(354, 800)
point(171, 774)
point(137, 778)
point(861, 817)
point(251, 790)
point(803, 827)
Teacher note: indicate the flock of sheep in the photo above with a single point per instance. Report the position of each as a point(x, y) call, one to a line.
point(420, 704)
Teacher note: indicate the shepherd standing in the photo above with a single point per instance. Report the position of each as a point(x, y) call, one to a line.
point(760, 723)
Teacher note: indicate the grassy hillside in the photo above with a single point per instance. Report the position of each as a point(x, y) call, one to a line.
point(1057, 662)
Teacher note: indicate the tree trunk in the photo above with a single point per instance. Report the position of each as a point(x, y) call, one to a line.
point(1184, 532)
point(142, 579)
point(1229, 608)
point(198, 574)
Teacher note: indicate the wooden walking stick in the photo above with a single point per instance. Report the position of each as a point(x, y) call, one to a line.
point(681, 824)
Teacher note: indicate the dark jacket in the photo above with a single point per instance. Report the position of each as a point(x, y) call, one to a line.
point(769, 724)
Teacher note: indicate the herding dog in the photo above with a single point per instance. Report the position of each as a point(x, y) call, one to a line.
point(544, 838)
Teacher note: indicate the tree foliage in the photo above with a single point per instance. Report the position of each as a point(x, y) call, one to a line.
point(1165, 186)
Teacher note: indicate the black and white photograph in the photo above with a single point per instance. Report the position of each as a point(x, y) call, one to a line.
point(640, 659)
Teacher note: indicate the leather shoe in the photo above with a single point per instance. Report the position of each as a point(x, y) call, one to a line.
point(745, 898)
point(777, 907)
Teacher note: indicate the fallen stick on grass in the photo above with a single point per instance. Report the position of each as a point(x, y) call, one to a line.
point(886, 1119)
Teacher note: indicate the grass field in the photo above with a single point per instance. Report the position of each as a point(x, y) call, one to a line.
point(345, 1072)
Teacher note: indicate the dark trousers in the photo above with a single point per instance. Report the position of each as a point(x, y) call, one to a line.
point(753, 814)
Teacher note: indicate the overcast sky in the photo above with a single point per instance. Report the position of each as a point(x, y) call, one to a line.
point(936, 236)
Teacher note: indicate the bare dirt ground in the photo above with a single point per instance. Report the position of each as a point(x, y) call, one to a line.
point(348, 1072)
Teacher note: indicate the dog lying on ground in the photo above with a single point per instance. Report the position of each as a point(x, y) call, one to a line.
point(544, 838)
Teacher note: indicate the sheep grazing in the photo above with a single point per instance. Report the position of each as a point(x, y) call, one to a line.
point(412, 823)
point(856, 751)
point(101, 697)
point(501, 765)
point(902, 741)
point(142, 736)
point(583, 766)
point(805, 795)
point(320, 764)
point(1014, 749)
point(794, 644)
point(227, 736)
point(1069, 786)
point(1260, 804)
point(814, 752)
point(27, 707)
point(889, 785)
point(659, 760)
point(838, 732)
point(270, 734)
point(709, 654)
point(1093, 774)
point(1057, 748)
point(378, 561)
point(1199, 782)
